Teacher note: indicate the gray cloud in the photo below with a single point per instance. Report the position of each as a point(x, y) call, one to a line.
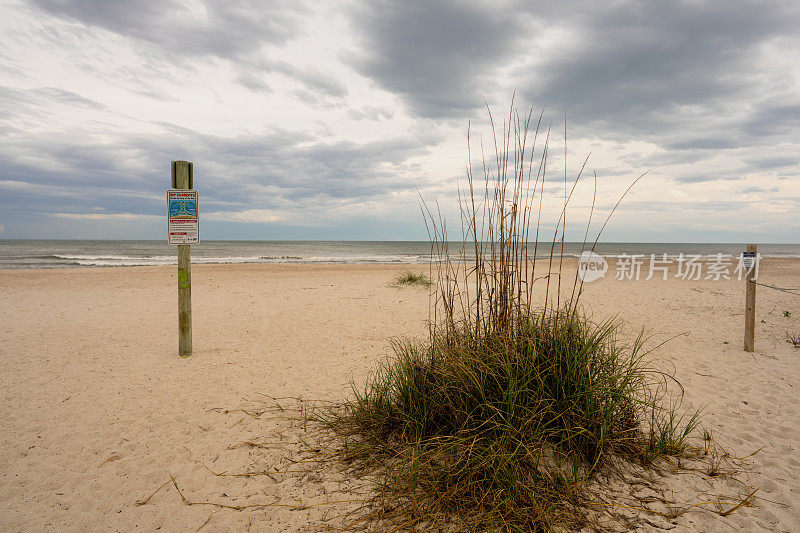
point(310, 77)
point(370, 113)
point(773, 162)
point(772, 120)
point(239, 31)
point(226, 29)
point(748, 190)
point(687, 76)
point(70, 98)
point(439, 57)
point(317, 86)
point(253, 81)
point(267, 171)
point(640, 64)
point(649, 57)
point(695, 78)
point(37, 101)
point(706, 176)
point(721, 142)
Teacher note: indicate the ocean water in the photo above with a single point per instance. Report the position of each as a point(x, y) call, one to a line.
point(21, 253)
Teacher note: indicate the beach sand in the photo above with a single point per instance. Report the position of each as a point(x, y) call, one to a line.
point(98, 410)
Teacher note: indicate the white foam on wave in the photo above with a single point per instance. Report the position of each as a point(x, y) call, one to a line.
point(84, 257)
point(122, 262)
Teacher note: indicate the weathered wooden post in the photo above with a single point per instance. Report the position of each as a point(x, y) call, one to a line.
point(750, 268)
point(182, 179)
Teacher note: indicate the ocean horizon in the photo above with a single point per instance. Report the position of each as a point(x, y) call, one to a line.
point(51, 253)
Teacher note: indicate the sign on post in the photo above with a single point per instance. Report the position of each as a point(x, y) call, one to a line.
point(183, 226)
point(748, 260)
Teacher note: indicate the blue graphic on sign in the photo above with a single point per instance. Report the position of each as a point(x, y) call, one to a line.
point(179, 208)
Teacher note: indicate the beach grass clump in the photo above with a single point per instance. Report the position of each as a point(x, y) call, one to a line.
point(502, 431)
point(413, 279)
point(505, 414)
point(794, 340)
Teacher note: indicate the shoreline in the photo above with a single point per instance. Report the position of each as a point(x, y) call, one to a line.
point(540, 263)
point(76, 254)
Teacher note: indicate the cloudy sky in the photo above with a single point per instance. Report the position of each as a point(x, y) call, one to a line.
point(325, 120)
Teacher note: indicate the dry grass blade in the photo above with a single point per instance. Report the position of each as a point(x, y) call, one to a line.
point(262, 445)
point(110, 458)
point(254, 474)
point(143, 502)
point(257, 505)
point(745, 501)
point(204, 523)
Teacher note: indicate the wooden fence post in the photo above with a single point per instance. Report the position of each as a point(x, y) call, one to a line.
point(182, 179)
point(750, 298)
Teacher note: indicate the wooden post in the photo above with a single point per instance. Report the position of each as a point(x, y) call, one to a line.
point(750, 302)
point(182, 179)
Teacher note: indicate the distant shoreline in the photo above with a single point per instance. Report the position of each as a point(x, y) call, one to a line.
point(46, 254)
point(568, 262)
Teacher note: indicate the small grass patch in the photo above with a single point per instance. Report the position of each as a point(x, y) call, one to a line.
point(794, 340)
point(413, 279)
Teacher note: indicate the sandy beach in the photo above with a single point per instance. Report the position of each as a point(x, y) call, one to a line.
point(98, 410)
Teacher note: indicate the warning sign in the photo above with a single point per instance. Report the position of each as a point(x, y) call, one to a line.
point(748, 260)
point(183, 226)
